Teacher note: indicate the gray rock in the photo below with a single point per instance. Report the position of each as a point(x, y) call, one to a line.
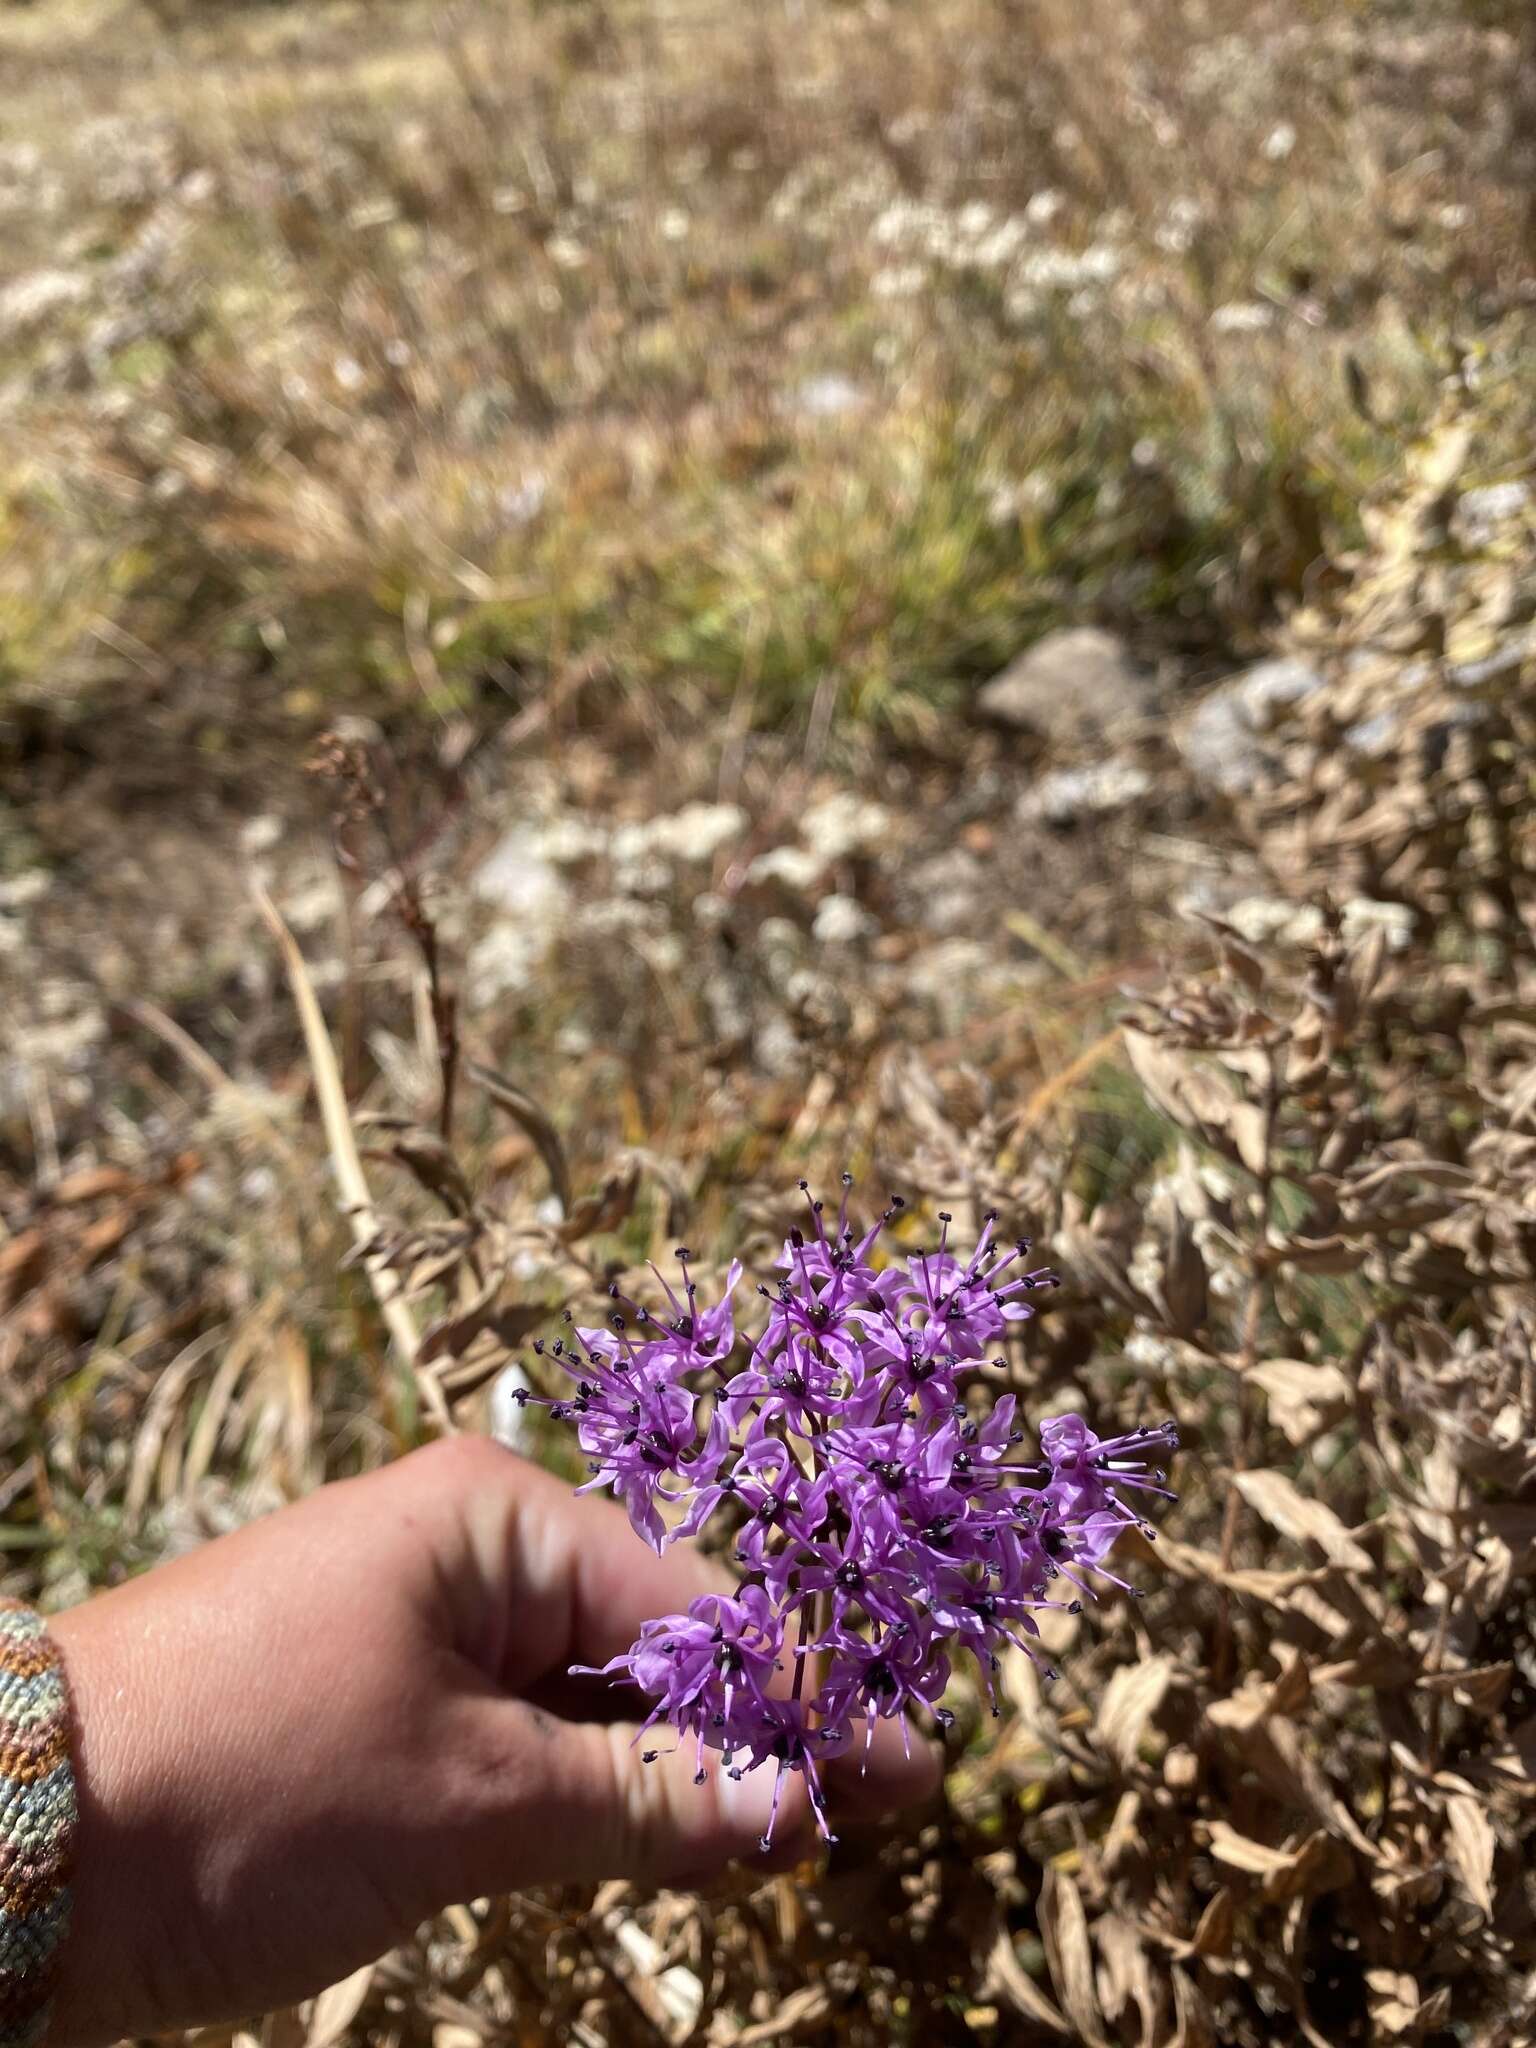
point(567, 840)
point(776, 1048)
point(1480, 513)
point(1068, 794)
point(529, 898)
point(828, 397)
point(1376, 736)
point(791, 865)
point(945, 892)
point(780, 945)
point(841, 921)
point(845, 824)
point(30, 300)
point(695, 833)
point(1223, 740)
point(1269, 689)
point(728, 1002)
point(519, 880)
point(1220, 747)
point(1071, 685)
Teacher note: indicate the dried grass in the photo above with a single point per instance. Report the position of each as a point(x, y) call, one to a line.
point(1288, 1174)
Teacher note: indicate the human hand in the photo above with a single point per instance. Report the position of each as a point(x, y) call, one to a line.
point(296, 1744)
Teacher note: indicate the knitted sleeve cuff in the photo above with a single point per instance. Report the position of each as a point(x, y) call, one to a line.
point(37, 1823)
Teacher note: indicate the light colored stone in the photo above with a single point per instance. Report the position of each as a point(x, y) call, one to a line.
point(1480, 513)
point(530, 898)
point(1263, 919)
point(31, 299)
point(791, 865)
point(844, 824)
point(1069, 686)
point(1068, 794)
point(841, 921)
point(518, 878)
point(694, 833)
point(828, 397)
point(504, 962)
point(567, 840)
point(1364, 915)
point(780, 946)
point(944, 891)
point(1267, 691)
point(1219, 745)
point(776, 1048)
point(20, 892)
point(260, 834)
point(728, 1002)
point(1223, 739)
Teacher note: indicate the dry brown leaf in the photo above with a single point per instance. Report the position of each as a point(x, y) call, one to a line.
point(1184, 1289)
point(1275, 1589)
point(1122, 1834)
point(91, 1184)
point(155, 1425)
point(1472, 1847)
point(803, 2009)
point(449, 1336)
point(1064, 1930)
point(106, 1233)
point(1007, 1978)
point(23, 1262)
point(1132, 1696)
point(423, 1154)
point(605, 1208)
point(532, 1119)
point(1321, 1864)
point(1394, 1999)
point(1248, 1127)
point(1125, 1974)
point(1482, 1691)
point(1294, 1514)
point(1275, 1750)
point(1213, 1936)
point(1303, 1399)
point(335, 2009)
point(285, 2028)
point(1194, 1095)
point(1243, 1853)
point(1194, 2028)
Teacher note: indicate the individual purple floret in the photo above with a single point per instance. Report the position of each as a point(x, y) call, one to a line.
point(878, 1504)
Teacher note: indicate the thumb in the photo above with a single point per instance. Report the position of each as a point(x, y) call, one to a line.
point(579, 1802)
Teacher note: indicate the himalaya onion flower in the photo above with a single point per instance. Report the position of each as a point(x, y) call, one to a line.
point(883, 1518)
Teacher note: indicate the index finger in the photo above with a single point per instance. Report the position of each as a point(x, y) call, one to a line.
point(569, 1574)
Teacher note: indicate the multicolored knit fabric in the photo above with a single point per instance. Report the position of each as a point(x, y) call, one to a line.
point(37, 1823)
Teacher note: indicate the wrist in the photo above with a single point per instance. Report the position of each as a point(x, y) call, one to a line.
point(107, 1965)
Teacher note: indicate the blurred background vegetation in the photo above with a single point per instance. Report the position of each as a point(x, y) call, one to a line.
point(754, 583)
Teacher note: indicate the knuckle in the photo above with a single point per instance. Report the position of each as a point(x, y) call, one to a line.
point(462, 1461)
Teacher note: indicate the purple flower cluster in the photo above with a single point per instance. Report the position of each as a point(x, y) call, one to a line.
point(883, 1524)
